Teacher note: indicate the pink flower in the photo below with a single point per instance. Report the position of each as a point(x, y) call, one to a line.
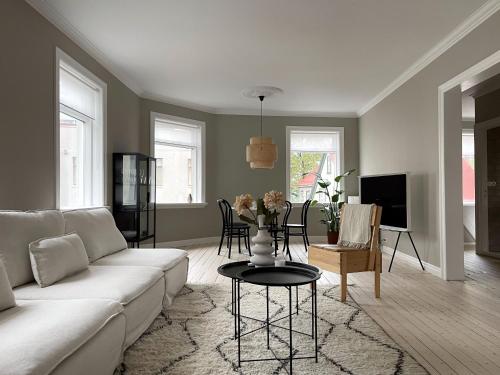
point(273, 200)
point(243, 203)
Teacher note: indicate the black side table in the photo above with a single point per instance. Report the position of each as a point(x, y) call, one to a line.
point(289, 276)
point(233, 269)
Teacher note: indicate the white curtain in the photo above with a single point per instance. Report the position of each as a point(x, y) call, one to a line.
point(314, 141)
point(76, 94)
point(174, 133)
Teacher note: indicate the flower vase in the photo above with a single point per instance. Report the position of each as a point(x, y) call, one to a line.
point(262, 250)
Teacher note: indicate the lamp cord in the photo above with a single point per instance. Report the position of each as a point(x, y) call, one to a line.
point(261, 97)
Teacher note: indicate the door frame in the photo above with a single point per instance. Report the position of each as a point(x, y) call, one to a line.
point(449, 174)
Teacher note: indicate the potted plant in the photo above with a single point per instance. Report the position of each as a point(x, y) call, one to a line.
point(331, 208)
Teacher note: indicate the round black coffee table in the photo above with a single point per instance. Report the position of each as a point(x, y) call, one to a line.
point(293, 274)
point(233, 269)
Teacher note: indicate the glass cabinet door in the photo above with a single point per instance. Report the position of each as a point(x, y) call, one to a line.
point(152, 196)
point(134, 193)
point(125, 182)
point(129, 180)
point(142, 170)
point(152, 182)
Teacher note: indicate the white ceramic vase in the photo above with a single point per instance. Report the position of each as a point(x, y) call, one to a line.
point(262, 251)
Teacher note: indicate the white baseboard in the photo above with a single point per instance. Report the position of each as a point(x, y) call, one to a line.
point(182, 243)
point(215, 240)
point(432, 269)
point(488, 254)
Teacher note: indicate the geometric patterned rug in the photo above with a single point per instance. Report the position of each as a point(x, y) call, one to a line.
point(195, 336)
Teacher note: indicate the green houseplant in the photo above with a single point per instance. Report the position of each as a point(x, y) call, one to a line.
point(331, 208)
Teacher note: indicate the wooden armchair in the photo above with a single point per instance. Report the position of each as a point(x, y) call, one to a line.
point(343, 260)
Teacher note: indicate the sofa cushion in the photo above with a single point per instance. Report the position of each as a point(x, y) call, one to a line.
point(163, 259)
point(7, 299)
point(17, 230)
point(38, 335)
point(121, 284)
point(97, 229)
point(102, 354)
point(53, 259)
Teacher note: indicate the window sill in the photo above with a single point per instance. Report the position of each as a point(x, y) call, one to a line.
point(162, 206)
point(67, 209)
point(469, 204)
point(301, 204)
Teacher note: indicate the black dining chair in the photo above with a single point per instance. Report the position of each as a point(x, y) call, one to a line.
point(278, 230)
point(232, 229)
point(298, 230)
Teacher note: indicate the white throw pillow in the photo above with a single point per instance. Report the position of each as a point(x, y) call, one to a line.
point(98, 231)
point(7, 299)
point(53, 259)
point(17, 230)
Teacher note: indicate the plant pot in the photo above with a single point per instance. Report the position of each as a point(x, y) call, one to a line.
point(333, 237)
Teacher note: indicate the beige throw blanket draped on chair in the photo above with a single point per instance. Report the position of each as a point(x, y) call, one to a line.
point(355, 228)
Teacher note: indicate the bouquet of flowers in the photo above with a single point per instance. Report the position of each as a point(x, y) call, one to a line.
point(268, 207)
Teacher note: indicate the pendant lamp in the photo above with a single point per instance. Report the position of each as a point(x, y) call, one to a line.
point(262, 153)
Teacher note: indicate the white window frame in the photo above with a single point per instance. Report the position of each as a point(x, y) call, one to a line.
point(330, 129)
point(201, 178)
point(65, 59)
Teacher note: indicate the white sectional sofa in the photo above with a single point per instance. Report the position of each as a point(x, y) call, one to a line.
point(82, 323)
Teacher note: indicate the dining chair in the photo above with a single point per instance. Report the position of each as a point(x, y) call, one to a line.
point(278, 231)
point(232, 229)
point(298, 230)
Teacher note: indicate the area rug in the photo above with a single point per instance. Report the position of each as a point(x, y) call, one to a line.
point(195, 336)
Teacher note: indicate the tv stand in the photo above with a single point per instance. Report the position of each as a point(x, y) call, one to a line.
point(396, 247)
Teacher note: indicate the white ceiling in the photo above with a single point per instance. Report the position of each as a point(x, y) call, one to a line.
point(329, 56)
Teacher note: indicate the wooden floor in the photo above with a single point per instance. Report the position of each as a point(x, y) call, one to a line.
point(449, 327)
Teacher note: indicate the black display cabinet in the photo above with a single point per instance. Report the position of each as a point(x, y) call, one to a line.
point(134, 196)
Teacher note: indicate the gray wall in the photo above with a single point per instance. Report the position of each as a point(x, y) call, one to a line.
point(27, 107)
point(27, 157)
point(401, 133)
point(227, 172)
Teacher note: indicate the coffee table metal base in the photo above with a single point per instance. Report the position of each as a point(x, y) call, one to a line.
point(236, 310)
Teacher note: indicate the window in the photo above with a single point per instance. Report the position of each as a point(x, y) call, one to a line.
point(312, 151)
point(468, 175)
point(178, 145)
point(80, 135)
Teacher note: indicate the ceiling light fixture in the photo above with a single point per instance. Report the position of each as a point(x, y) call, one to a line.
point(261, 153)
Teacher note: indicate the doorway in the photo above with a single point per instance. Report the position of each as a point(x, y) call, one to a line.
point(451, 209)
point(487, 144)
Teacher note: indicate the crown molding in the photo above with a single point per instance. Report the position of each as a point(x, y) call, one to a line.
point(277, 113)
point(473, 21)
point(59, 21)
point(242, 111)
point(177, 102)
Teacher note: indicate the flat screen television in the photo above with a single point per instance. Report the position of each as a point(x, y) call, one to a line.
point(392, 193)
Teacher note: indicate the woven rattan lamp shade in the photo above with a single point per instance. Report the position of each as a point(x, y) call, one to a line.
point(262, 153)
